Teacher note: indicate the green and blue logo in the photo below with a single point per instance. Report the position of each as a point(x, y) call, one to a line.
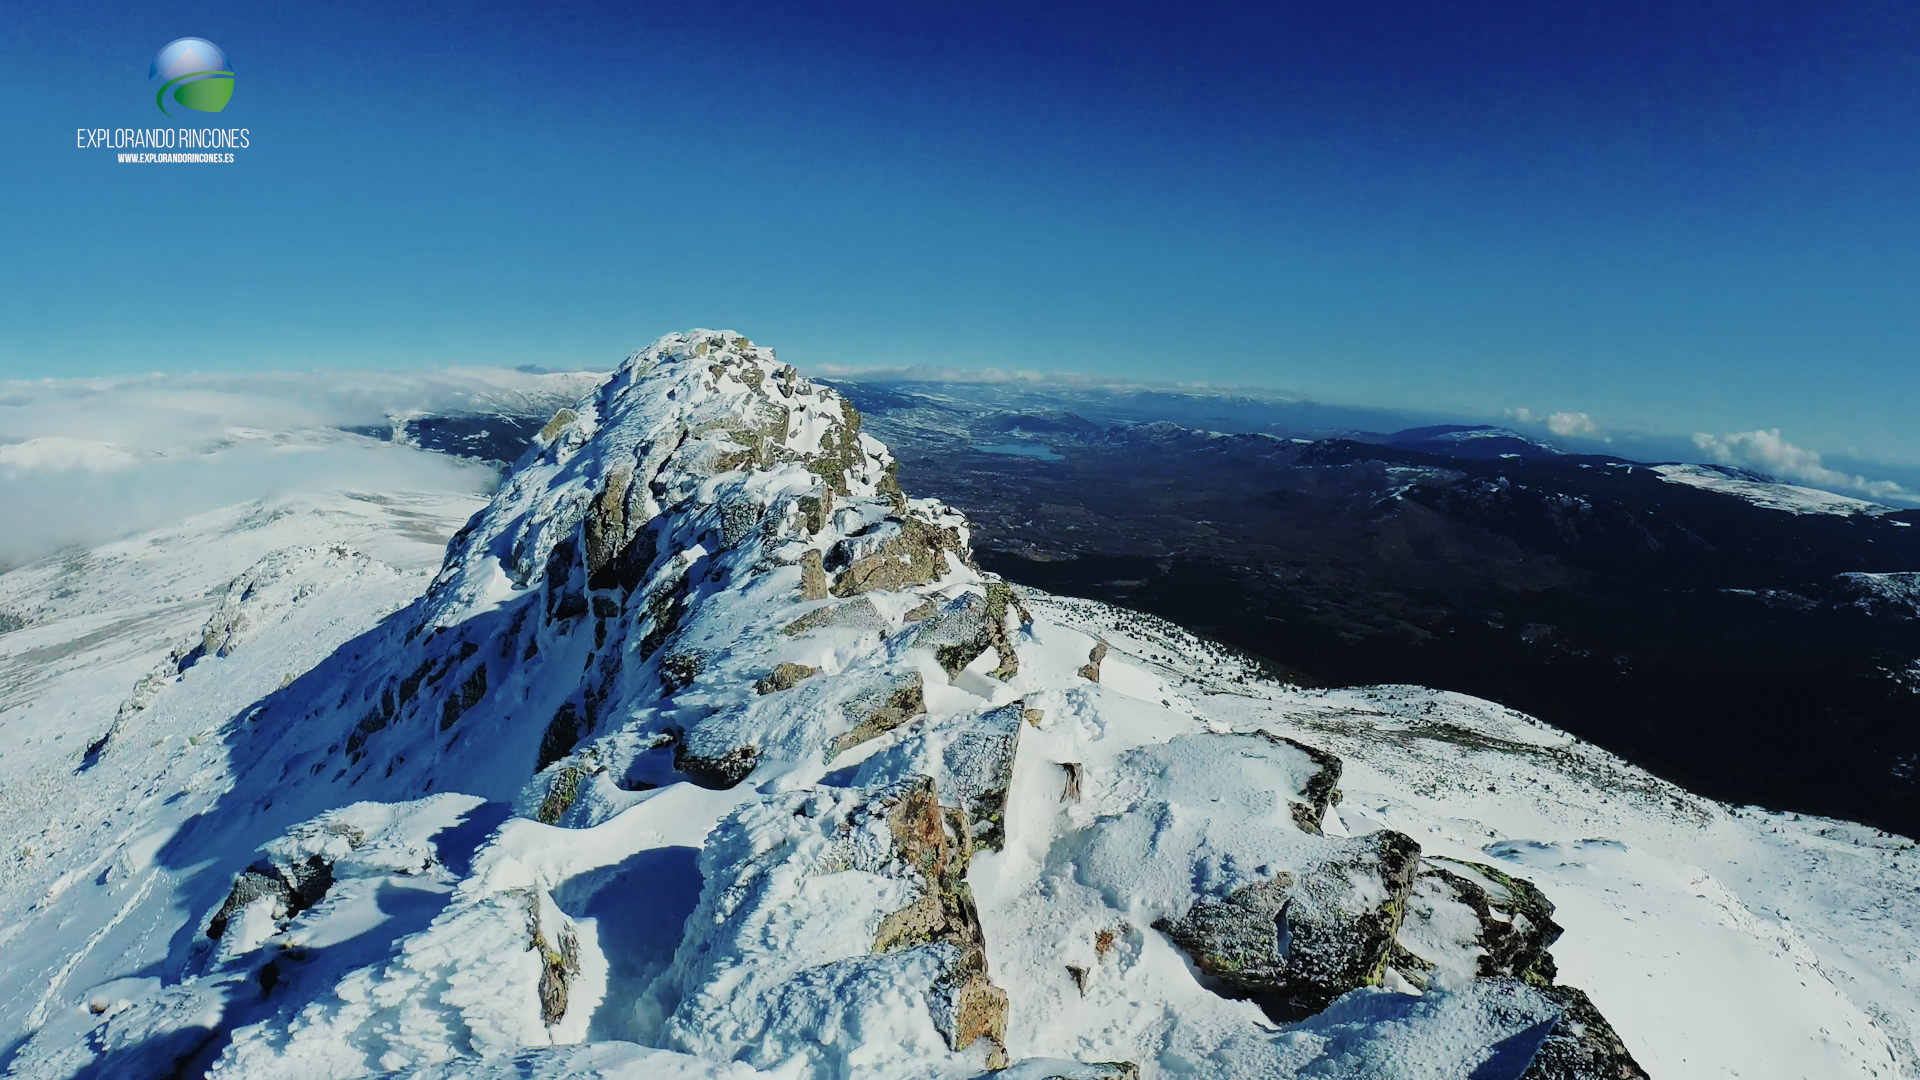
point(197, 74)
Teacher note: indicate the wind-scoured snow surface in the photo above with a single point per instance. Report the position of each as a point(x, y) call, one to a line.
point(707, 753)
point(1768, 492)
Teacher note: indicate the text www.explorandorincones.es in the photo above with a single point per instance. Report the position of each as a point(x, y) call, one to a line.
point(175, 159)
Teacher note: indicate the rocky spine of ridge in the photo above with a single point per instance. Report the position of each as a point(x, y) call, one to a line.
point(704, 572)
point(661, 542)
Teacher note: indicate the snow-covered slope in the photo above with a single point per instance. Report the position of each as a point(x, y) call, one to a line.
point(708, 753)
point(1895, 594)
point(1766, 491)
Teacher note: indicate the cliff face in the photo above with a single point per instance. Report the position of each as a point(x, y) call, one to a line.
point(708, 752)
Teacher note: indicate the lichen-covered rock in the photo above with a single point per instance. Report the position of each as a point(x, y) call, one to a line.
point(563, 788)
point(895, 554)
point(472, 689)
point(562, 735)
point(1297, 941)
point(607, 527)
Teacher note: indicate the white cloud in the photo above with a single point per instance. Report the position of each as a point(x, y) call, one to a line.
point(1572, 424)
point(85, 461)
point(1567, 425)
point(1766, 451)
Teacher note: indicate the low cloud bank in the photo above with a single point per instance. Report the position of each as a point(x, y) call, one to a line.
point(1765, 451)
point(1070, 380)
point(1567, 425)
point(86, 461)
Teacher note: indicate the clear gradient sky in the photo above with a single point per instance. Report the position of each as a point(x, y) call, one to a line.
point(1674, 217)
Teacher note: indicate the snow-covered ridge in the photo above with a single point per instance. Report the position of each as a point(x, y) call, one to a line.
point(1767, 492)
point(708, 753)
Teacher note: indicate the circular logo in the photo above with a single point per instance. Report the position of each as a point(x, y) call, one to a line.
point(197, 75)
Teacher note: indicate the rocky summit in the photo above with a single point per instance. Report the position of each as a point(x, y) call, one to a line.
point(709, 752)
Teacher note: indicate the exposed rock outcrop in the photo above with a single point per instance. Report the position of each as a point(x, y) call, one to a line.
point(785, 676)
point(1296, 942)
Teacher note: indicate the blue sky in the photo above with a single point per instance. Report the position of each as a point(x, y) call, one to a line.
point(1670, 217)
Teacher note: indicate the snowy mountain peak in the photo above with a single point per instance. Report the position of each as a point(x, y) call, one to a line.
point(709, 753)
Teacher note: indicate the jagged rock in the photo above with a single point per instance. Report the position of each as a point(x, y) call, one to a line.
point(814, 582)
point(859, 615)
point(979, 769)
point(895, 554)
point(559, 952)
point(956, 633)
point(840, 451)
point(605, 528)
point(1474, 921)
point(882, 708)
point(561, 736)
point(248, 888)
point(1295, 942)
point(680, 668)
point(967, 627)
point(296, 873)
point(1582, 1045)
point(967, 1006)
point(926, 838)
point(815, 509)
point(469, 695)
point(562, 419)
point(1091, 669)
point(785, 677)
point(971, 759)
point(1321, 789)
point(718, 771)
point(1001, 597)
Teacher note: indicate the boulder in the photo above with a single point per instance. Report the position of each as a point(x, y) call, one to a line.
point(1295, 942)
